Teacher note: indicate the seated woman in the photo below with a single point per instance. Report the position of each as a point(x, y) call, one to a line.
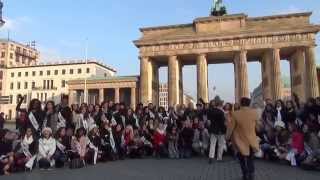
point(94, 145)
point(186, 139)
point(146, 138)
point(159, 141)
point(173, 137)
point(6, 154)
point(296, 151)
point(26, 151)
point(108, 148)
point(312, 147)
point(47, 148)
point(128, 140)
point(119, 141)
point(79, 147)
point(63, 145)
point(137, 148)
point(201, 139)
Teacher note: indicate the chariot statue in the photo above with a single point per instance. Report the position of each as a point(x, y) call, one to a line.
point(218, 9)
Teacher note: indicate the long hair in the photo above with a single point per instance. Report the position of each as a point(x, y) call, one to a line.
point(46, 106)
point(31, 104)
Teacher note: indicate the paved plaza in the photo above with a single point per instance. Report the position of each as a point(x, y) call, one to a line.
point(166, 169)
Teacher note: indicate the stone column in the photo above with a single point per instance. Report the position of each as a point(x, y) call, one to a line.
point(173, 81)
point(181, 83)
point(241, 75)
point(311, 73)
point(266, 75)
point(155, 83)
point(71, 97)
point(276, 83)
point(297, 73)
point(101, 95)
point(202, 77)
point(86, 96)
point(145, 80)
point(133, 98)
point(116, 95)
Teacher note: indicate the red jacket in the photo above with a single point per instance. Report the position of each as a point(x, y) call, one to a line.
point(159, 138)
point(298, 141)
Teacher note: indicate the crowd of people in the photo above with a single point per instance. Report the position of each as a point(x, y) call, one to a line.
point(57, 135)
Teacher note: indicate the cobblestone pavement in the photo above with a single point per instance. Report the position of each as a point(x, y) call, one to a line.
point(165, 169)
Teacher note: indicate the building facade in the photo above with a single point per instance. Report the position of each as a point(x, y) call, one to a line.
point(236, 39)
point(47, 81)
point(14, 54)
point(163, 95)
point(257, 94)
point(21, 74)
point(118, 89)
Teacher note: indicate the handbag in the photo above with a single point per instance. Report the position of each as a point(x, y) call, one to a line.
point(76, 163)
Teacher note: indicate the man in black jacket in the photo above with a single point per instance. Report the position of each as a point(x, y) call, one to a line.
point(217, 129)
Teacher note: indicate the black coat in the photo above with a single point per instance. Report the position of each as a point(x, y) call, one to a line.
point(217, 121)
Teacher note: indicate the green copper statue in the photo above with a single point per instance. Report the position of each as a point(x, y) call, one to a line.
point(218, 9)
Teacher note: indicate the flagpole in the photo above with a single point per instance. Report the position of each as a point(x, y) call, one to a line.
point(85, 78)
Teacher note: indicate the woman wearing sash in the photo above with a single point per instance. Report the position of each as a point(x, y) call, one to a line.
point(26, 151)
point(65, 112)
point(84, 120)
point(63, 146)
point(106, 114)
point(131, 119)
point(35, 116)
point(107, 143)
point(51, 119)
point(47, 149)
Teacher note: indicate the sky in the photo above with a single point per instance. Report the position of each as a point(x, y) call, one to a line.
point(61, 29)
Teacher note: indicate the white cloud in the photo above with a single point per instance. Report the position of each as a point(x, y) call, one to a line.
point(70, 44)
point(290, 9)
point(16, 24)
point(48, 54)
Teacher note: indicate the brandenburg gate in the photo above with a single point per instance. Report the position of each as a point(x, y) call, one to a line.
point(236, 39)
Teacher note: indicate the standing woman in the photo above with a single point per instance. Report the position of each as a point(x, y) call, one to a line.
point(84, 120)
point(228, 108)
point(51, 119)
point(36, 116)
point(290, 113)
point(131, 119)
point(96, 115)
point(65, 113)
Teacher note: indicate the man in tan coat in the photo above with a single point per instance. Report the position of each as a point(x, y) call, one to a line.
point(242, 132)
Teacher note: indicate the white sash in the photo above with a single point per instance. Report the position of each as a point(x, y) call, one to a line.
point(123, 121)
point(85, 124)
point(33, 121)
point(112, 143)
point(45, 122)
point(25, 149)
point(137, 121)
point(62, 121)
point(104, 118)
point(96, 150)
point(60, 146)
point(113, 121)
point(151, 115)
point(30, 163)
